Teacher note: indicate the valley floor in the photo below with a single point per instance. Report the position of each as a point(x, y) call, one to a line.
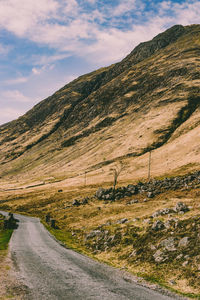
point(146, 236)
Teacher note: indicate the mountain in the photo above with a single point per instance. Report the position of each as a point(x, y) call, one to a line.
point(148, 101)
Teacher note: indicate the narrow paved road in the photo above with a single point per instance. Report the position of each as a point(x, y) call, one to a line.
point(53, 272)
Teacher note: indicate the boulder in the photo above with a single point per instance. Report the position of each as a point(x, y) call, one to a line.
point(76, 202)
point(173, 222)
point(93, 234)
point(168, 244)
point(184, 242)
point(158, 225)
point(162, 212)
point(181, 207)
point(185, 263)
point(159, 256)
point(122, 221)
point(179, 256)
point(99, 193)
point(133, 201)
point(132, 189)
point(150, 194)
point(85, 201)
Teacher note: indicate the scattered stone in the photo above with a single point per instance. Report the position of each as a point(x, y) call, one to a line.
point(181, 207)
point(147, 221)
point(159, 256)
point(167, 224)
point(168, 244)
point(85, 201)
point(93, 234)
point(133, 201)
point(185, 263)
point(76, 202)
point(108, 223)
point(158, 225)
point(100, 192)
point(152, 247)
point(150, 194)
point(171, 223)
point(134, 253)
point(172, 282)
point(162, 212)
point(122, 221)
point(183, 242)
point(132, 189)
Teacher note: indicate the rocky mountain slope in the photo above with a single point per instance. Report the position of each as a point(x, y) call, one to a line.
point(149, 101)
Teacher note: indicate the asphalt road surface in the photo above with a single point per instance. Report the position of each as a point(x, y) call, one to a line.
point(51, 271)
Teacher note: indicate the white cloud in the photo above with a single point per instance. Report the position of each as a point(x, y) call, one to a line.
point(187, 13)
point(15, 81)
point(22, 17)
point(123, 7)
point(13, 104)
point(36, 71)
point(45, 67)
point(70, 7)
point(47, 59)
point(64, 26)
point(8, 114)
point(69, 30)
point(13, 96)
point(91, 1)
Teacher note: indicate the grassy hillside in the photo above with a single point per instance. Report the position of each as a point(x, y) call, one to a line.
point(149, 101)
point(64, 149)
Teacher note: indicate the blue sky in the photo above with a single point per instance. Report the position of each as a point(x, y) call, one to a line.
point(45, 44)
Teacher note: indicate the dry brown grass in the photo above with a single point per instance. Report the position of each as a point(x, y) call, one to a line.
point(81, 220)
point(144, 119)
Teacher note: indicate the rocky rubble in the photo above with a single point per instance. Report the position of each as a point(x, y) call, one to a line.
point(162, 241)
point(150, 189)
point(180, 208)
point(77, 202)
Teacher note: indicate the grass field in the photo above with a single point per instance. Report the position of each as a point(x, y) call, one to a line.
point(5, 236)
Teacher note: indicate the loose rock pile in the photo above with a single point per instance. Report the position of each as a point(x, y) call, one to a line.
point(180, 208)
point(150, 189)
point(166, 245)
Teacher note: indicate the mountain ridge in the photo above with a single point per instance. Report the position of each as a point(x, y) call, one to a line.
point(101, 99)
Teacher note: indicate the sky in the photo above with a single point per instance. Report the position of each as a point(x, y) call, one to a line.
point(47, 43)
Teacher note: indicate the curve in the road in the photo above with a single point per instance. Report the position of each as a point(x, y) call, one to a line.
point(53, 272)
